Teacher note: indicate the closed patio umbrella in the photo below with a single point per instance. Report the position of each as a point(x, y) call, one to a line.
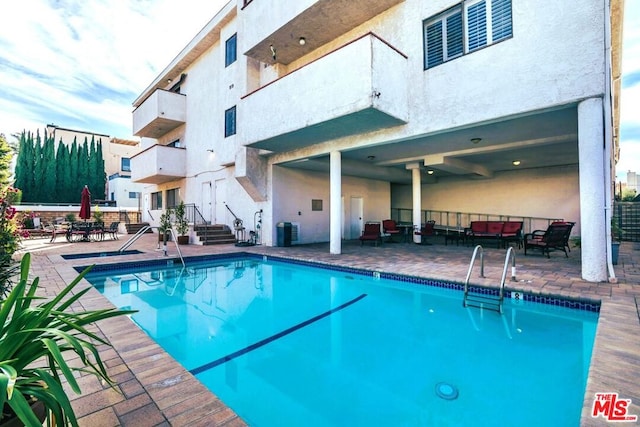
point(85, 204)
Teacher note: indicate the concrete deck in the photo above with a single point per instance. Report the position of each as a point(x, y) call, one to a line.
point(154, 390)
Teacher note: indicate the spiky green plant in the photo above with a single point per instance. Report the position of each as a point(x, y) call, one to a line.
point(35, 334)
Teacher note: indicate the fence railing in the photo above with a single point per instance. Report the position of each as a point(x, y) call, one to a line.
point(193, 214)
point(459, 220)
point(626, 215)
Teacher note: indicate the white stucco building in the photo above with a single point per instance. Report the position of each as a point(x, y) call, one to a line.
point(330, 113)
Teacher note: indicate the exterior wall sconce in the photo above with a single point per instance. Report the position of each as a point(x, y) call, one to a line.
point(302, 41)
point(516, 163)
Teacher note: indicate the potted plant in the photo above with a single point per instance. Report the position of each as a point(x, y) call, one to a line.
point(98, 215)
point(164, 226)
point(35, 335)
point(181, 224)
point(70, 218)
point(616, 236)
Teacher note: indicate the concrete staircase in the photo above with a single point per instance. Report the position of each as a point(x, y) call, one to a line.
point(133, 228)
point(214, 234)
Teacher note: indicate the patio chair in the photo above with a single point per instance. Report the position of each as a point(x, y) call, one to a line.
point(555, 237)
point(112, 231)
point(426, 230)
point(571, 224)
point(371, 232)
point(390, 229)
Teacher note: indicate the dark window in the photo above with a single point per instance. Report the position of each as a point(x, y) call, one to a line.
point(133, 195)
point(230, 122)
point(172, 197)
point(231, 49)
point(175, 144)
point(156, 200)
point(464, 28)
point(125, 164)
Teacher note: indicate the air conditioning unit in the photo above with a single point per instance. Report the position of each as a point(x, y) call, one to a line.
point(295, 231)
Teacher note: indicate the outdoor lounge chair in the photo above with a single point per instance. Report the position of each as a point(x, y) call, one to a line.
point(390, 228)
point(426, 230)
point(371, 232)
point(113, 230)
point(556, 237)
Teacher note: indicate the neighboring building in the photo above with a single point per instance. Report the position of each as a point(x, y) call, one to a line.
point(117, 155)
point(330, 113)
point(632, 181)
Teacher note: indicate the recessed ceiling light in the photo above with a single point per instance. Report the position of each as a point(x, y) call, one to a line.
point(430, 171)
point(302, 41)
point(476, 140)
point(371, 157)
point(516, 162)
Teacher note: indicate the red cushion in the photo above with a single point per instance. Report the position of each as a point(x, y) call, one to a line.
point(479, 226)
point(494, 227)
point(511, 227)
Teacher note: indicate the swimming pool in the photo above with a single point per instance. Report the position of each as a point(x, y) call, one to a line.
point(285, 344)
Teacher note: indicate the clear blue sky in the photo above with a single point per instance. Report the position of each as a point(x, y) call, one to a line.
point(93, 58)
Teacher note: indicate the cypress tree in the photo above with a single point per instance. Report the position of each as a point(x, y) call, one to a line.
point(93, 170)
point(21, 162)
point(35, 185)
point(48, 181)
point(101, 178)
point(62, 173)
point(75, 188)
point(6, 154)
point(83, 164)
point(29, 162)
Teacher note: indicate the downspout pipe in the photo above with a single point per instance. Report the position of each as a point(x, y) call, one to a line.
point(608, 166)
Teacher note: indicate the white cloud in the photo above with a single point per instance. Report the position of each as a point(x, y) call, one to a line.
point(630, 94)
point(81, 63)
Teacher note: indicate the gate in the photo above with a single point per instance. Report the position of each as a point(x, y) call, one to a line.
point(627, 216)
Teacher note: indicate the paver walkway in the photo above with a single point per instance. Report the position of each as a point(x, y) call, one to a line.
point(153, 390)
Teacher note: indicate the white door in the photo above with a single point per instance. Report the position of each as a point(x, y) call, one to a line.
point(145, 212)
point(356, 221)
point(205, 196)
point(220, 201)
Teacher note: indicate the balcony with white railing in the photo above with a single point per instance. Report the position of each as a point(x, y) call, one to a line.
point(282, 24)
point(360, 87)
point(158, 164)
point(160, 113)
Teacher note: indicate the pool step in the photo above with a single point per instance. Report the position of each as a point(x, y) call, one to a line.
point(489, 302)
point(215, 234)
point(132, 228)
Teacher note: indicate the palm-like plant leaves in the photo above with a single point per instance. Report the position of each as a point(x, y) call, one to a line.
point(34, 330)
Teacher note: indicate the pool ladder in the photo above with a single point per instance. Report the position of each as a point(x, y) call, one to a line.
point(488, 301)
point(142, 231)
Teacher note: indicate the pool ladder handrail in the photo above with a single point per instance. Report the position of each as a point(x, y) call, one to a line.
point(143, 230)
point(491, 302)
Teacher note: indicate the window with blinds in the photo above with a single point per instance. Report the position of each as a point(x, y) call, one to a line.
point(464, 28)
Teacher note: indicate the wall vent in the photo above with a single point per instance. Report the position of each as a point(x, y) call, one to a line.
point(295, 231)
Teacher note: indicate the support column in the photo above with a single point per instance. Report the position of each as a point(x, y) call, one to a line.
point(417, 199)
point(335, 194)
point(592, 190)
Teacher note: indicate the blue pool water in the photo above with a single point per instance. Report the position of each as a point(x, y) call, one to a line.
point(292, 345)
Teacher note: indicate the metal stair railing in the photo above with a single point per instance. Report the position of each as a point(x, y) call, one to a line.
point(143, 230)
